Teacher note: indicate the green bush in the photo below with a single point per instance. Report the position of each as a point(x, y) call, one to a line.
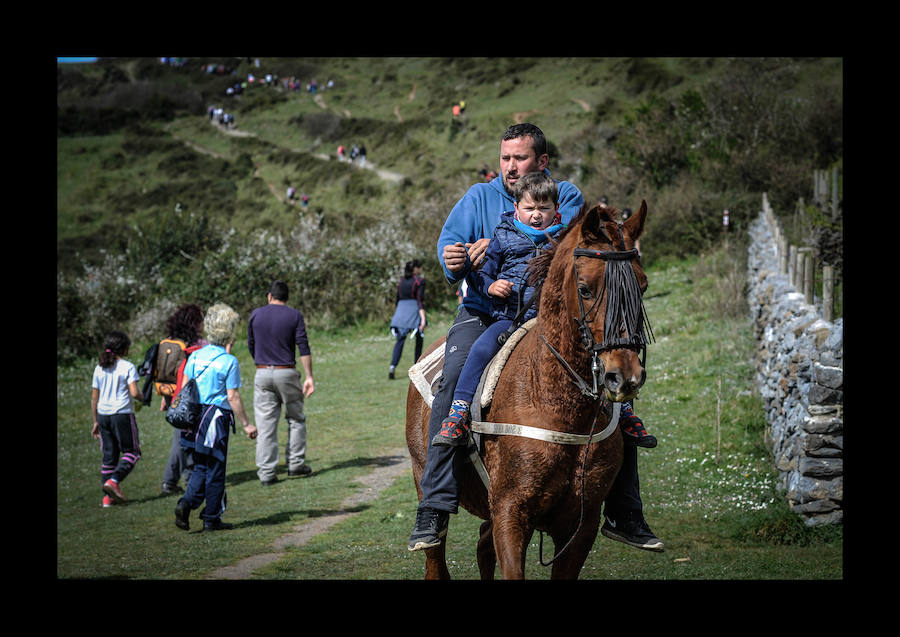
point(337, 279)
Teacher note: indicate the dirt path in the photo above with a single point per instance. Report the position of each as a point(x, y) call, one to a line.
point(374, 483)
point(387, 175)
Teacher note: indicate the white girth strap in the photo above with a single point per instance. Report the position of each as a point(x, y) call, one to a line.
point(525, 431)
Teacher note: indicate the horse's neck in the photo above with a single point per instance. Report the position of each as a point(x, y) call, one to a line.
point(559, 395)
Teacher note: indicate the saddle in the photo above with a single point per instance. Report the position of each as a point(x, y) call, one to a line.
point(426, 374)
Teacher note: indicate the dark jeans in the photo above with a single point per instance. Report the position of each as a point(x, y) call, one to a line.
point(179, 462)
point(480, 354)
point(398, 346)
point(625, 494)
point(207, 482)
point(440, 489)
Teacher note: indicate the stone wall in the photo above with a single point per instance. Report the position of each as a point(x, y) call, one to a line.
point(799, 373)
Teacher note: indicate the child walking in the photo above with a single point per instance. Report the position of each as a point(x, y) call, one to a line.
point(114, 399)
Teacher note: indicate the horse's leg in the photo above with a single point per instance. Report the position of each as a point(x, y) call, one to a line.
point(511, 537)
point(487, 558)
point(436, 561)
point(569, 563)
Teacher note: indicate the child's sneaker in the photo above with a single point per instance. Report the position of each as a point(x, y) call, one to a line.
point(633, 428)
point(107, 502)
point(112, 489)
point(454, 429)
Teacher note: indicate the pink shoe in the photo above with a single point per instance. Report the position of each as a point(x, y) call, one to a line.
point(107, 502)
point(112, 488)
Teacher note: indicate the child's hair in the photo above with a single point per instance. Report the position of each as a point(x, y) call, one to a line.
point(116, 344)
point(540, 186)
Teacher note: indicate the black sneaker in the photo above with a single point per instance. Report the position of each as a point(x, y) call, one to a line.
point(303, 470)
point(632, 529)
point(217, 525)
point(182, 513)
point(431, 526)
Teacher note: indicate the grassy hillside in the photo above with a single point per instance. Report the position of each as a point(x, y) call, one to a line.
point(157, 205)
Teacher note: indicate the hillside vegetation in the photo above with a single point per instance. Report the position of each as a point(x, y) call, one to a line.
point(157, 205)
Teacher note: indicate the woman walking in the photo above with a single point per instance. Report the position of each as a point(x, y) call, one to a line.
point(410, 312)
point(218, 377)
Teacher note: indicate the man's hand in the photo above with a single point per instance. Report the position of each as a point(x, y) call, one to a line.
point(455, 257)
point(476, 252)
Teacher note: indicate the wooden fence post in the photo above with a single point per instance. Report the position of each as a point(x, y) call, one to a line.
point(834, 195)
point(792, 265)
point(828, 292)
point(808, 275)
point(784, 255)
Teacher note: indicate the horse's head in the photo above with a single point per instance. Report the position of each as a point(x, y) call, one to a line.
point(599, 275)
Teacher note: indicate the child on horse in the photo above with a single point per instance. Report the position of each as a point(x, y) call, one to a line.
point(518, 238)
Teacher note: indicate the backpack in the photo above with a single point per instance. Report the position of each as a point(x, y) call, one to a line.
point(169, 357)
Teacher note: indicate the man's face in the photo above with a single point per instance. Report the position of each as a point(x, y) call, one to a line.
point(517, 159)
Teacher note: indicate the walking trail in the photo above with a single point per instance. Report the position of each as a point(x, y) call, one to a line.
point(395, 465)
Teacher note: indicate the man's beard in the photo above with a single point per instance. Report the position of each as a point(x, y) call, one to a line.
point(508, 188)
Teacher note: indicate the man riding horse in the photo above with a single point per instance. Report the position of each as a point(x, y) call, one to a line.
point(461, 246)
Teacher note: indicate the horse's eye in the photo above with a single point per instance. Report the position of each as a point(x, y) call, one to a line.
point(584, 290)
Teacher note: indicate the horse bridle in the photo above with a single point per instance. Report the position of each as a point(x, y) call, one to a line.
point(637, 341)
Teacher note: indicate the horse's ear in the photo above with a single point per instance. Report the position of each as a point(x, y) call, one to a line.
point(635, 223)
point(593, 224)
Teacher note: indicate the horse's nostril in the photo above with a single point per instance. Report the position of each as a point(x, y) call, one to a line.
point(612, 381)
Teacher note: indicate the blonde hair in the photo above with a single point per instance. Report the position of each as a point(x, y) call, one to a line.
point(220, 324)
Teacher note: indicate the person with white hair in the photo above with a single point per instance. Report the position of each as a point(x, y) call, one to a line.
point(218, 377)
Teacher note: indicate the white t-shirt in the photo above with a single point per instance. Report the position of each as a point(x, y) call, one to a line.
point(113, 385)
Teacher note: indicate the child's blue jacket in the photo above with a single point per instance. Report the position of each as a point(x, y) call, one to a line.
point(507, 257)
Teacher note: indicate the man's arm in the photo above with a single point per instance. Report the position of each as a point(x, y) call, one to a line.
point(251, 340)
point(308, 385)
point(457, 236)
point(483, 278)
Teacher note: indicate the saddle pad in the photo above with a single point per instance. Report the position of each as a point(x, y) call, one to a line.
point(427, 371)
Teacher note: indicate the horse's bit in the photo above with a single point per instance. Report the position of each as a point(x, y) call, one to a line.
point(637, 340)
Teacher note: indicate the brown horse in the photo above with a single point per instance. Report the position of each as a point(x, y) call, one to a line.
point(559, 377)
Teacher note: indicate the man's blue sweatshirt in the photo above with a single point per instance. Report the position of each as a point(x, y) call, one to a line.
point(476, 215)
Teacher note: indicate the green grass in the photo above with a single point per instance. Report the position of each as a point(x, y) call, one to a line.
point(714, 504)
